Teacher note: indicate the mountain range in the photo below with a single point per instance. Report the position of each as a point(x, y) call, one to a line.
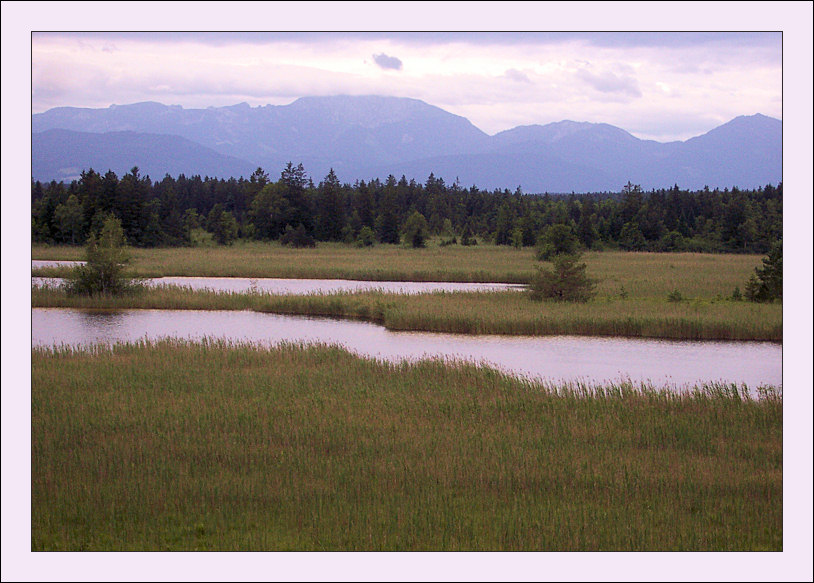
point(366, 137)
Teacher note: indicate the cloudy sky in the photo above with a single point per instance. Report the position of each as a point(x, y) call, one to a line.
point(662, 86)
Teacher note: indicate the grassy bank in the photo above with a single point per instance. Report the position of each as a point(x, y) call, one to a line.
point(641, 275)
point(473, 313)
point(632, 290)
point(221, 447)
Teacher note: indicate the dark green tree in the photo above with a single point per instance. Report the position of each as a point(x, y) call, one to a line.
point(556, 240)
point(294, 183)
point(298, 237)
point(415, 230)
point(270, 211)
point(69, 219)
point(631, 238)
point(330, 209)
point(366, 237)
point(566, 281)
point(387, 221)
point(106, 257)
point(504, 222)
point(467, 238)
point(766, 284)
point(586, 228)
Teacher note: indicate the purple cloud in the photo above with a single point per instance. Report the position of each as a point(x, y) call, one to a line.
point(387, 62)
point(608, 82)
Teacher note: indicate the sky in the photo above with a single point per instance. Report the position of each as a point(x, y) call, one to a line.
point(663, 86)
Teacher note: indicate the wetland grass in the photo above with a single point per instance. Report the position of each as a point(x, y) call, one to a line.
point(642, 275)
point(216, 446)
point(512, 312)
point(632, 289)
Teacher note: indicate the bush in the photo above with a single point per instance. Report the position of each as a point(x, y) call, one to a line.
point(415, 230)
point(199, 237)
point(556, 240)
point(105, 261)
point(675, 296)
point(297, 238)
point(766, 284)
point(566, 282)
point(448, 242)
point(366, 237)
point(467, 238)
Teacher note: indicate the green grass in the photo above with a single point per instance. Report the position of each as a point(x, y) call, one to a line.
point(643, 275)
point(327, 261)
point(216, 446)
point(633, 290)
point(512, 313)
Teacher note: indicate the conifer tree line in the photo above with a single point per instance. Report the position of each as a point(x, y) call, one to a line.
point(194, 210)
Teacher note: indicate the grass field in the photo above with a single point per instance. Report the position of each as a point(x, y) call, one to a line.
point(511, 313)
point(632, 290)
point(179, 446)
point(695, 275)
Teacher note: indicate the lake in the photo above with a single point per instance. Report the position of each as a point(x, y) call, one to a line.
point(306, 286)
point(664, 363)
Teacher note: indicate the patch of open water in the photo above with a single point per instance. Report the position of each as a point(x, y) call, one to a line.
point(664, 363)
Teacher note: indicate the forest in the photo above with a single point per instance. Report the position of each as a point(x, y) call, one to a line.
point(191, 211)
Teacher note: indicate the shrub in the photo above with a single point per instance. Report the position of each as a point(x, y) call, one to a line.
point(297, 238)
point(448, 242)
point(105, 261)
point(415, 230)
point(366, 237)
point(674, 296)
point(467, 238)
point(766, 284)
point(566, 282)
point(556, 240)
point(199, 237)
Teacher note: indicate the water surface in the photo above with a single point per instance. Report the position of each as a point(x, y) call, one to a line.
point(665, 363)
point(309, 286)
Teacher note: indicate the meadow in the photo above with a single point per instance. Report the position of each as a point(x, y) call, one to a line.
point(217, 446)
point(632, 298)
point(640, 274)
point(512, 313)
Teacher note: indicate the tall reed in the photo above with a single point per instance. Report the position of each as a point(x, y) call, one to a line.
point(216, 446)
point(642, 275)
point(472, 313)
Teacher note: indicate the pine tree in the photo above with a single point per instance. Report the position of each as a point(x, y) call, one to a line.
point(766, 284)
point(565, 282)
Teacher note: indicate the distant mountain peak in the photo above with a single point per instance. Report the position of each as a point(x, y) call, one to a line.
point(371, 136)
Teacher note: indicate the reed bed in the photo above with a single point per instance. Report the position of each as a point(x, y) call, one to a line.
point(217, 446)
point(487, 263)
point(640, 275)
point(512, 312)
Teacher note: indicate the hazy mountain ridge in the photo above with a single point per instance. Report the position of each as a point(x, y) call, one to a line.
point(64, 154)
point(372, 136)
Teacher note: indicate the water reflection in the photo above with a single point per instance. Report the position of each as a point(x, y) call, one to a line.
point(569, 358)
point(37, 263)
point(308, 286)
point(107, 326)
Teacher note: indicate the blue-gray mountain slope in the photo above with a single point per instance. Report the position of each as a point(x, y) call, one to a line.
point(372, 137)
point(62, 155)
